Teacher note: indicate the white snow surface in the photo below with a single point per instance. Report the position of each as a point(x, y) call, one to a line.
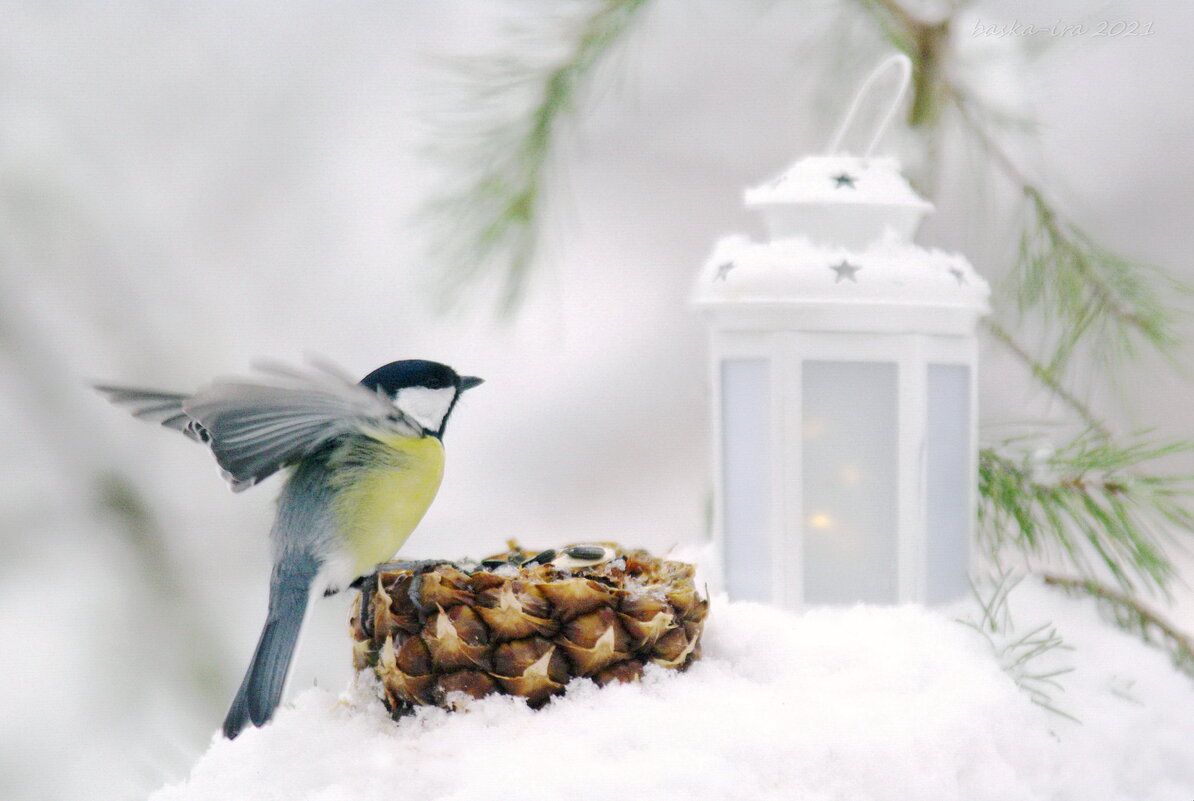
point(852, 703)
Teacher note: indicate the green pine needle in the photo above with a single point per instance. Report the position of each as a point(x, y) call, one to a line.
point(1088, 502)
point(1098, 303)
point(1097, 307)
point(1019, 655)
point(485, 229)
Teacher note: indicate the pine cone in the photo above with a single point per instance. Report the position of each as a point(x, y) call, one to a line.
point(525, 624)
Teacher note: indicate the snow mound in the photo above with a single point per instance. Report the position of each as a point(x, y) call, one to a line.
point(860, 703)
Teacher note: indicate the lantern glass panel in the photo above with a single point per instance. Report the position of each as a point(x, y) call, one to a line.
point(948, 477)
point(849, 468)
point(746, 477)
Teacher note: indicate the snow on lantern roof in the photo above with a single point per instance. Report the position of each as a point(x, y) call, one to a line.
point(891, 270)
point(839, 179)
point(848, 201)
point(890, 284)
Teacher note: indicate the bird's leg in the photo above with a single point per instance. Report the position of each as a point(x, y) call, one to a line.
point(362, 584)
point(366, 603)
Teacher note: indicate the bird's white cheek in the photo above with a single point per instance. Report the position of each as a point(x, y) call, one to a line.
point(427, 406)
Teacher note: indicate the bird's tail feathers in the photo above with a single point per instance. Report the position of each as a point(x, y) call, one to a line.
point(261, 690)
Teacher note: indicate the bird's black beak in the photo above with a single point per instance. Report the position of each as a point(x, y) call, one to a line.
point(469, 381)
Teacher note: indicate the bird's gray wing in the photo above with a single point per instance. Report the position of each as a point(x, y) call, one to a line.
point(260, 424)
point(156, 407)
point(257, 425)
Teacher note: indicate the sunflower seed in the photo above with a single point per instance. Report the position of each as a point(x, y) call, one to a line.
point(543, 557)
point(585, 552)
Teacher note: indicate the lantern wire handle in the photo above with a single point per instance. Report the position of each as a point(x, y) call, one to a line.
point(905, 65)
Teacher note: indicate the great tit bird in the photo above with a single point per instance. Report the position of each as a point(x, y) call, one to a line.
point(365, 460)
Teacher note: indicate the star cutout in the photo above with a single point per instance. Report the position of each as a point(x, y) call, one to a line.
point(845, 270)
point(844, 179)
point(958, 274)
point(723, 271)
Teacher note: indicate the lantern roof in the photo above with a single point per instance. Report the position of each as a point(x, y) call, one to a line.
point(891, 284)
point(840, 179)
point(891, 270)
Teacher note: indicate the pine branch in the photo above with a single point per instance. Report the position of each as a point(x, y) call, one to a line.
point(1087, 502)
point(1131, 615)
point(489, 225)
point(927, 44)
point(1018, 654)
point(1102, 302)
point(1047, 377)
point(1098, 302)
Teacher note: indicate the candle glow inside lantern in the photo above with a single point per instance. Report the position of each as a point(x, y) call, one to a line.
point(843, 367)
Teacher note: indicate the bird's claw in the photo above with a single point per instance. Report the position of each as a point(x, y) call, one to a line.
point(365, 601)
point(420, 568)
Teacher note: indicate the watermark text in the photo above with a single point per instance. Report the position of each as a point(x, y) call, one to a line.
point(1063, 30)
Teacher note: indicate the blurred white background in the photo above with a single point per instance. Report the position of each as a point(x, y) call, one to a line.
point(184, 187)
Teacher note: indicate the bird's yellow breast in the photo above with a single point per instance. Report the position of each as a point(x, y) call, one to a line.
point(385, 489)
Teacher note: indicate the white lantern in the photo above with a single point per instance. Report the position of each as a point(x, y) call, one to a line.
point(844, 371)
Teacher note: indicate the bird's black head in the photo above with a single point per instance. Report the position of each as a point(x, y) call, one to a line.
point(390, 378)
point(425, 391)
